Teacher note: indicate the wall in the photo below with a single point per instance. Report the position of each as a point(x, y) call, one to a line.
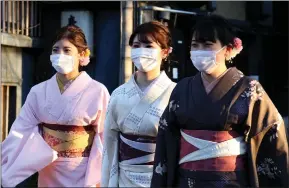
point(231, 9)
point(29, 57)
point(11, 70)
point(107, 44)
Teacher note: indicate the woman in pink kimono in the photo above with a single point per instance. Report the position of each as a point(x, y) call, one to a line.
point(58, 132)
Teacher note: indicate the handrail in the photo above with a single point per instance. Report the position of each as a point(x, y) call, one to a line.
point(160, 9)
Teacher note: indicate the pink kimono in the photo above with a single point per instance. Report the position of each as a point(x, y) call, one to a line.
point(25, 151)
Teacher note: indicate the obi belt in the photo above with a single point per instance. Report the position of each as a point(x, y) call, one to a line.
point(68, 140)
point(136, 150)
point(212, 150)
point(212, 159)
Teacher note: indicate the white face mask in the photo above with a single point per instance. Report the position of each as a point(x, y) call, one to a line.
point(205, 61)
point(62, 63)
point(145, 59)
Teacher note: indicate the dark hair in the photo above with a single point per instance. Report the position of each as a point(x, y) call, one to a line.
point(155, 30)
point(158, 33)
point(74, 35)
point(213, 27)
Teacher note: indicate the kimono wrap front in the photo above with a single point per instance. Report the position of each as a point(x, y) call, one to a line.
point(131, 126)
point(231, 137)
point(28, 149)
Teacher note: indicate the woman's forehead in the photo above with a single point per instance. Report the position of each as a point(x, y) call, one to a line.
point(143, 39)
point(205, 34)
point(146, 39)
point(63, 42)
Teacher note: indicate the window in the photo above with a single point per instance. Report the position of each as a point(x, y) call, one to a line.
point(8, 108)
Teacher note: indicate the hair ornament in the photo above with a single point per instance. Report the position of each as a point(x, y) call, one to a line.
point(84, 61)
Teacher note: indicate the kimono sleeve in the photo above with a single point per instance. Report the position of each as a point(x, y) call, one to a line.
point(167, 147)
point(93, 172)
point(268, 143)
point(24, 152)
point(109, 173)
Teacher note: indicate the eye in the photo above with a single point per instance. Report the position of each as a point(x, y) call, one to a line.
point(67, 50)
point(149, 46)
point(194, 45)
point(54, 50)
point(208, 44)
point(135, 46)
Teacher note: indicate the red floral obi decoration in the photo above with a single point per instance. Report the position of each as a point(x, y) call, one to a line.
point(69, 141)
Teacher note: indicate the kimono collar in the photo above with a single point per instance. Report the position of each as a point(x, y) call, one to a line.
point(160, 80)
point(226, 83)
point(78, 85)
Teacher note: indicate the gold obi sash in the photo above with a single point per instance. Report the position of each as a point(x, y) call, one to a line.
point(68, 140)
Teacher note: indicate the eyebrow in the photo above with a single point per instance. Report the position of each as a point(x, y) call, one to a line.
point(202, 42)
point(63, 47)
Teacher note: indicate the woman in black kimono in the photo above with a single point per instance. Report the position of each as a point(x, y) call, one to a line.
point(220, 128)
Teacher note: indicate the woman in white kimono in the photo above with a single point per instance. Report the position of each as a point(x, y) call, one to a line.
point(134, 110)
point(58, 132)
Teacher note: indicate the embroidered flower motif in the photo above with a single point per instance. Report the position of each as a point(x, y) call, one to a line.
point(85, 60)
point(267, 168)
point(275, 128)
point(161, 169)
point(255, 91)
point(163, 123)
point(173, 106)
point(191, 182)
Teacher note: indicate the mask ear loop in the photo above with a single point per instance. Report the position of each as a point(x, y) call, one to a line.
point(220, 49)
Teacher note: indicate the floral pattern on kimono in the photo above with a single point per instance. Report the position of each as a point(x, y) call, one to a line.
point(254, 114)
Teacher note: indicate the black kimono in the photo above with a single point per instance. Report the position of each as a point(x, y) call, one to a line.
point(231, 137)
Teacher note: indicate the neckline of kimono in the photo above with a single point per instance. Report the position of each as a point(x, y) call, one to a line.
point(68, 81)
point(209, 95)
point(82, 73)
point(147, 87)
point(216, 79)
point(226, 83)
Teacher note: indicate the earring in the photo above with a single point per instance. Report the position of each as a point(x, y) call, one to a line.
point(230, 60)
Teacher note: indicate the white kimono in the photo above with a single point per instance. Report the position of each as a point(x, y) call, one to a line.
point(25, 152)
point(133, 112)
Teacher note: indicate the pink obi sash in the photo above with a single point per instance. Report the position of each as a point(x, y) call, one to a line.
point(203, 150)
